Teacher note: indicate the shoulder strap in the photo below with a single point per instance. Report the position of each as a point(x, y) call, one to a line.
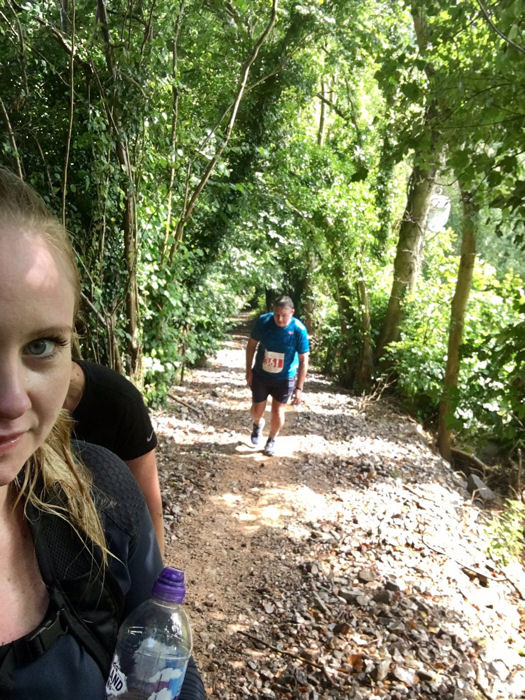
point(27, 649)
point(85, 600)
point(81, 589)
point(66, 619)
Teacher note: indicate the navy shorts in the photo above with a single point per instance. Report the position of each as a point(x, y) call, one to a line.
point(278, 389)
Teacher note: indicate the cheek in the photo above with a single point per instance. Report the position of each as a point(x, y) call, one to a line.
point(49, 392)
point(63, 377)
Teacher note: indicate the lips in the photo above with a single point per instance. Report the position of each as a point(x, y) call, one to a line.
point(9, 441)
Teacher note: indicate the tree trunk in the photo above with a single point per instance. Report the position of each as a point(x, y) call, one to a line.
point(130, 212)
point(64, 19)
point(366, 359)
point(322, 116)
point(174, 125)
point(411, 233)
point(12, 140)
point(343, 293)
point(409, 243)
point(308, 312)
point(132, 292)
point(457, 315)
point(384, 199)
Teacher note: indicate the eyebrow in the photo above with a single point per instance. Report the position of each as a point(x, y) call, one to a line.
point(53, 330)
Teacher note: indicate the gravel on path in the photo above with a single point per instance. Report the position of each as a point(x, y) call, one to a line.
point(353, 564)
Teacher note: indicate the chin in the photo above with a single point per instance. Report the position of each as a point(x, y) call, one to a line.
point(12, 461)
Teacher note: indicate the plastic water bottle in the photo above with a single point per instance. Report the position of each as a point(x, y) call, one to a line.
point(153, 645)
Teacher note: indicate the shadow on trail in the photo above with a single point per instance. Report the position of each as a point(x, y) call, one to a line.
point(207, 390)
point(352, 534)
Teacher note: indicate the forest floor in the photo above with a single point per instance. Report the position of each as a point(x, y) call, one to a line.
point(353, 564)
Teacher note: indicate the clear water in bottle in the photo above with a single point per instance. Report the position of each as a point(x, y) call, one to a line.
point(153, 645)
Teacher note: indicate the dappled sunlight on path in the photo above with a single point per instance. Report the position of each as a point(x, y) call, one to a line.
point(279, 508)
point(353, 560)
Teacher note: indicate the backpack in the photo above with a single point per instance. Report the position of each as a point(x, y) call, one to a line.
point(85, 598)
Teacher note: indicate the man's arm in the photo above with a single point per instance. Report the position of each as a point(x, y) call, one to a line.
point(146, 474)
point(250, 352)
point(301, 377)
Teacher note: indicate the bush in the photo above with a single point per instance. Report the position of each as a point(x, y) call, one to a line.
point(184, 321)
point(488, 400)
point(506, 532)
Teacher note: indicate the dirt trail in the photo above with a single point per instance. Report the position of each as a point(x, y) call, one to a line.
point(350, 565)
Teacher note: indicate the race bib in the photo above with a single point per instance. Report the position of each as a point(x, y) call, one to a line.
point(273, 361)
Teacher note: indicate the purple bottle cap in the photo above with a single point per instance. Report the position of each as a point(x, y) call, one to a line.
point(170, 586)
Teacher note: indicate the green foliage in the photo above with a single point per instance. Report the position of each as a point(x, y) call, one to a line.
point(488, 401)
point(344, 97)
point(493, 355)
point(184, 320)
point(506, 533)
point(417, 359)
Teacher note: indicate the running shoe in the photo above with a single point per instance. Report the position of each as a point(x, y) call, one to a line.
point(269, 448)
point(257, 431)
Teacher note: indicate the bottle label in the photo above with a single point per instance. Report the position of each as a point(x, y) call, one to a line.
point(167, 683)
point(146, 682)
point(116, 684)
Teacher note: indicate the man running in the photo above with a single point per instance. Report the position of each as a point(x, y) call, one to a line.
point(282, 348)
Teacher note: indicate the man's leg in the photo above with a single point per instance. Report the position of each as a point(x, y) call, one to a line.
point(276, 423)
point(280, 396)
point(277, 419)
point(257, 411)
point(259, 397)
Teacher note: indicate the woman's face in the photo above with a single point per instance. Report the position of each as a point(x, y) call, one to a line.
point(36, 318)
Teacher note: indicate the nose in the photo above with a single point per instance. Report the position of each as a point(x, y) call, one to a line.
point(14, 397)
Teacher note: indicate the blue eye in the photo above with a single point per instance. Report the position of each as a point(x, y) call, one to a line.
point(44, 347)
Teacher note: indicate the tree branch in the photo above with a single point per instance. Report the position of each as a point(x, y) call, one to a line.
point(174, 125)
point(148, 29)
point(12, 139)
point(299, 657)
point(333, 106)
point(42, 156)
point(20, 35)
point(93, 308)
point(71, 109)
point(214, 160)
point(505, 38)
point(446, 127)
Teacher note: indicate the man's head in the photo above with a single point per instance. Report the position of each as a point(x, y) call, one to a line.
point(283, 310)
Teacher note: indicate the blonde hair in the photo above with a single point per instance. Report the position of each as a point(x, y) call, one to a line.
point(22, 206)
point(53, 465)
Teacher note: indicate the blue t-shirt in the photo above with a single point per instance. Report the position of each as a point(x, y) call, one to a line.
point(279, 348)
